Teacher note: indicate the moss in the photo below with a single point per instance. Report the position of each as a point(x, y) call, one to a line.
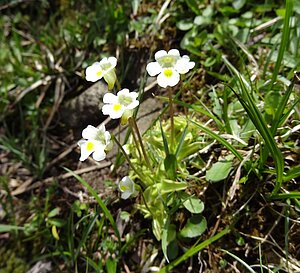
point(11, 263)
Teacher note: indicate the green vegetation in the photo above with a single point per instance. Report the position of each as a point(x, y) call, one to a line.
point(215, 175)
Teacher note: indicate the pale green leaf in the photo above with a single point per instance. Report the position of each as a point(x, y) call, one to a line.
point(194, 227)
point(219, 171)
point(53, 212)
point(168, 235)
point(194, 205)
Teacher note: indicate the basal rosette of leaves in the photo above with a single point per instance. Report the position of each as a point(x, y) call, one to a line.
point(165, 188)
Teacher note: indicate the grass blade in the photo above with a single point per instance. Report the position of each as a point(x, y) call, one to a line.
point(284, 39)
point(99, 201)
point(219, 139)
point(289, 195)
point(9, 228)
point(181, 141)
point(86, 233)
point(94, 265)
point(194, 250)
point(165, 142)
point(257, 119)
point(199, 109)
point(239, 260)
point(292, 173)
point(281, 108)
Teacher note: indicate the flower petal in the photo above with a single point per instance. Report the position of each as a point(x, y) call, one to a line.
point(133, 95)
point(107, 137)
point(159, 54)
point(103, 61)
point(99, 154)
point(127, 183)
point(85, 152)
point(161, 81)
point(110, 98)
point(94, 72)
point(112, 61)
point(132, 105)
point(102, 130)
point(123, 92)
point(169, 77)
point(174, 52)
point(183, 65)
point(109, 146)
point(108, 142)
point(134, 102)
point(153, 68)
point(125, 195)
point(126, 148)
point(90, 132)
point(113, 111)
point(127, 187)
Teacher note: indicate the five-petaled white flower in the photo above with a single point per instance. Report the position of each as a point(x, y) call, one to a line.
point(127, 187)
point(96, 141)
point(168, 66)
point(117, 105)
point(103, 69)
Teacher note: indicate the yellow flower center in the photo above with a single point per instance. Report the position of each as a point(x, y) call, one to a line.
point(99, 73)
point(117, 107)
point(90, 146)
point(168, 73)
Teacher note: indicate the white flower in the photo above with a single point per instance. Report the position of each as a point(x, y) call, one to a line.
point(127, 187)
point(168, 77)
point(183, 65)
point(103, 69)
point(126, 148)
point(168, 66)
point(116, 105)
point(96, 141)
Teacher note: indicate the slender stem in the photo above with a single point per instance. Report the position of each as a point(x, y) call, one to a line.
point(119, 133)
point(118, 84)
point(135, 127)
point(144, 199)
point(171, 111)
point(136, 143)
point(141, 176)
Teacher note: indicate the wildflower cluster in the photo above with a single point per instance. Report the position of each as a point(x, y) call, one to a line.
point(120, 105)
point(127, 187)
point(103, 69)
point(168, 66)
point(97, 141)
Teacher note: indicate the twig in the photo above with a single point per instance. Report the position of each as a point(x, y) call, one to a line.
point(61, 155)
point(32, 87)
point(13, 3)
point(58, 98)
point(62, 177)
point(266, 24)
